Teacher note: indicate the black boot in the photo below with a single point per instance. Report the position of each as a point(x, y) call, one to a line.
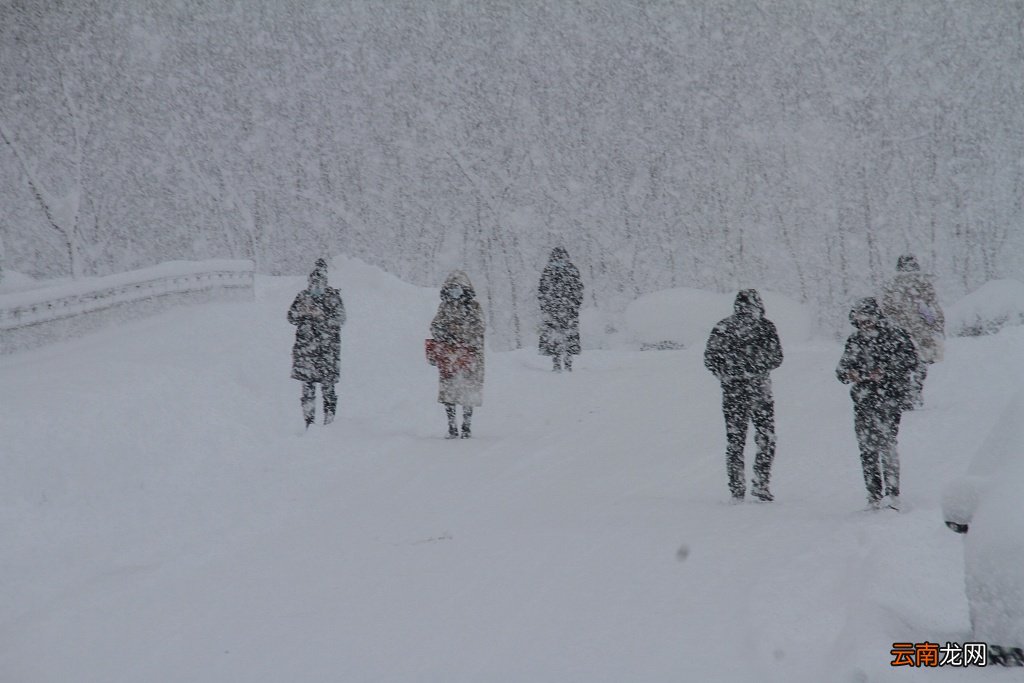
point(761, 492)
point(568, 362)
point(467, 417)
point(453, 432)
point(556, 363)
point(309, 402)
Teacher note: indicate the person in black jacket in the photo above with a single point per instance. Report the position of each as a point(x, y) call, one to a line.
point(741, 351)
point(880, 361)
point(560, 294)
point(318, 314)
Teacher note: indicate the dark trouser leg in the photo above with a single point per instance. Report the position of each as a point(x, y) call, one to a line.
point(763, 416)
point(568, 362)
point(309, 401)
point(868, 426)
point(917, 383)
point(467, 419)
point(889, 456)
point(449, 409)
point(330, 399)
point(556, 363)
point(736, 407)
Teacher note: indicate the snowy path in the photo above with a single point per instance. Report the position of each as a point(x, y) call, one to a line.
point(165, 520)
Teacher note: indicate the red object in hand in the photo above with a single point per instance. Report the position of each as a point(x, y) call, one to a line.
point(449, 358)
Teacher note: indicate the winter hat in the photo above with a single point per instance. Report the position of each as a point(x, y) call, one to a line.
point(458, 278)
point(319, 274)
point(749, 301)
point(865, 309)
point(907, 264)
point(559, 254)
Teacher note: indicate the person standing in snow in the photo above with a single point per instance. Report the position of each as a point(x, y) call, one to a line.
point(318, 314)
point(740, 352)
point(909, 301)
point(879, 360)
point(458, 351)
point(560, 294)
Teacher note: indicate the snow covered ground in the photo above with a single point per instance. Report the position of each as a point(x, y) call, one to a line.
point(165, 519)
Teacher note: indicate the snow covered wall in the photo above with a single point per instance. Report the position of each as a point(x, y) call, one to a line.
point(39, 316)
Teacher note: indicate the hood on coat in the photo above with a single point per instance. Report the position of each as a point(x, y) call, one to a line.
point(458, 278)
point(865, 310)
point(558, 255)
point(907, 263)
point(748, 302)
point(319, 275)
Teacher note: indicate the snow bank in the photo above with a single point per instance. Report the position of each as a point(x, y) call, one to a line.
point(600, 329)
point(42, 315)
point(683, 317)
point(94, 285)
point(988, 309)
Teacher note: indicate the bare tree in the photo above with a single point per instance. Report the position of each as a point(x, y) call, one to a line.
point(62, 208)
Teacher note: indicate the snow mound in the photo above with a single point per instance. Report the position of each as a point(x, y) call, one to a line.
point(988, 309)
point(683, 317)
point(352, 273)
point(600, 329)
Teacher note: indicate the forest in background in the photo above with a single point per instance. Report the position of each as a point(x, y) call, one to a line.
point(799, 145)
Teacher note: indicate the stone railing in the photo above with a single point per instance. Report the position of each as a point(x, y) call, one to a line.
point(40, 316)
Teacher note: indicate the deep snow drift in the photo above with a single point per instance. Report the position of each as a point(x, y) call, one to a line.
point(165, 519)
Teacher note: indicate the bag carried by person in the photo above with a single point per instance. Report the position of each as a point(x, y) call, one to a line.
point(448, 358)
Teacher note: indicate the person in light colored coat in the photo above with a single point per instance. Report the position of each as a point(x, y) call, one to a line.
point(458, 327)
point(909, 301)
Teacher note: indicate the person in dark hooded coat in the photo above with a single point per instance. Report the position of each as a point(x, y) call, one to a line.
point(318, 314)
point(560, 294)
point(741, 351)
point(458, 351)
point(879, 360)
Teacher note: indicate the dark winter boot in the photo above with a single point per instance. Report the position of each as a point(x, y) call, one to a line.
point(760, 491)
point(568, 362)
point(309, 402)
point(453, 432)
point(556, 363)
point(330, 402)
point(467, 418)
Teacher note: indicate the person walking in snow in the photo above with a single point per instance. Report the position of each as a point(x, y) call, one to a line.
point(457, 349)
point(560, 294)
point(879, 360)
point(909, 301)
point(741, 351)
point(318, 314)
